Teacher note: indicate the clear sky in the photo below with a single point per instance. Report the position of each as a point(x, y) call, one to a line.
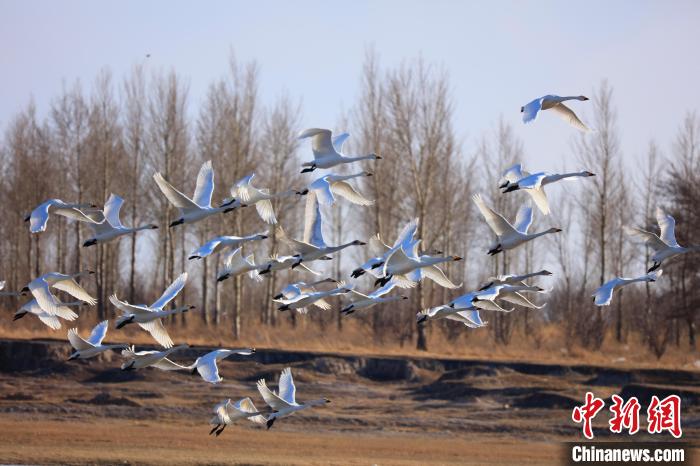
point(499, 54)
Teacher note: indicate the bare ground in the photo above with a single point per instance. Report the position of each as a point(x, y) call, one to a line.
point(384, 410)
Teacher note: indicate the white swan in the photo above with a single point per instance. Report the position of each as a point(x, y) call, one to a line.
point(235, 264)
point(329, 185)
point(515, 179)
point(301, 301)
point(220, 243)
point(313, 247)
point(285, 403)
point(226, 413)
point(249, 195)
point(206, 365)
point(199, 207)
point(149, 317)
point(509, 236)
point(554, 103)
point(51, 320)
point(40, 215)
point(374, 265)
point(485, 300)
point(106, 224)
point(604, 294)
point(158, 359)
point(364, 301)
point(469, 317)
point(513, 279)
point(93, 345)
point(39, 288)
point(664, 246)
point(276, 263)
point(295, 289)
point(327, 150)
point(407, 268)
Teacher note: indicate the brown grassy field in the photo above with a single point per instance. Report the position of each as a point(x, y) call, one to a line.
point(384, 410)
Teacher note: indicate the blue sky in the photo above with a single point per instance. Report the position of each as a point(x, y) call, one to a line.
point(499, 55)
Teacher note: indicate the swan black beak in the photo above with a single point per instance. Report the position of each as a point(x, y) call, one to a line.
point(194, 257)
point(89, 243)
point(177, 222)
point(222, 278)
point(278, 296)
point(18, 316)
point(25, 289)
point(307, 170)
point(357, 273)
point(27, 218)
point(422, 319)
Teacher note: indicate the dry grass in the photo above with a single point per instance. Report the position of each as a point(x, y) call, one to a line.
point(356, 338)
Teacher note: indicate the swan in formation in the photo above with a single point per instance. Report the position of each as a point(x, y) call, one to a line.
point(327, 150)
point(226, 413)
point(40, 289)
point(513, 279)
point(374, 264)
point(106, 224)
point(301, 301)
point(51, 320)
point(276, 263)
point(329, 185)
point(298, 288)
point(664, 246)
point(93, 346)
point(150, 317)
point(364, 301)
point(220, 243)
point(515, 179)
point(604, 294)
point(554, 103)
point(158, 359)
point(235, 264)
point(407, 268)
point(485, 300)
point(313, 246)
point(284, 403)
point(261, 198)
point(199, 206)
point(469, 317)
point(40, 215)
point(509, 236)
point(206, 365)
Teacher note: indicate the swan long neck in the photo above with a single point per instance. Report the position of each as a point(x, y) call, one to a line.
point(318, 402)
point(434, 260)
point(561, 176)
point(541, 233)
point(142, 227)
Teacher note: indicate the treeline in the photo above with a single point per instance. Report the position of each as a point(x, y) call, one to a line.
point(114, 136)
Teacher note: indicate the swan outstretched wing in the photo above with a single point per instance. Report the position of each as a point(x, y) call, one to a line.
point(323, 191)
point(47, 301)
point(78, 342)
point(172, 291)
point(39, 217)
point(531, 109)
point(540, 198)
point(407, 233)
point(570, 117)
point(496, 221)
point(246, 406)
point(647, 237)
point(265, 211)
point(345, 189)
point(175, 197)
point(72, 287)
point(321, 143)
point(270, 397)
point(49, 320)
point(523, 219)
point(514, 297)
point(339, 140)
point(242, 189)
point(98, 333)
point(438, 276)
point(313, 223)
point(286, 386)
point(158, 332)
point(604, 294)
point(667, 224)
point(209, 371)
point(205, 185)
point(111, 210)
point(513, 174)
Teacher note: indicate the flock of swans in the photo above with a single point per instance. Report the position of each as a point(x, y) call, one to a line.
point(398, 265)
